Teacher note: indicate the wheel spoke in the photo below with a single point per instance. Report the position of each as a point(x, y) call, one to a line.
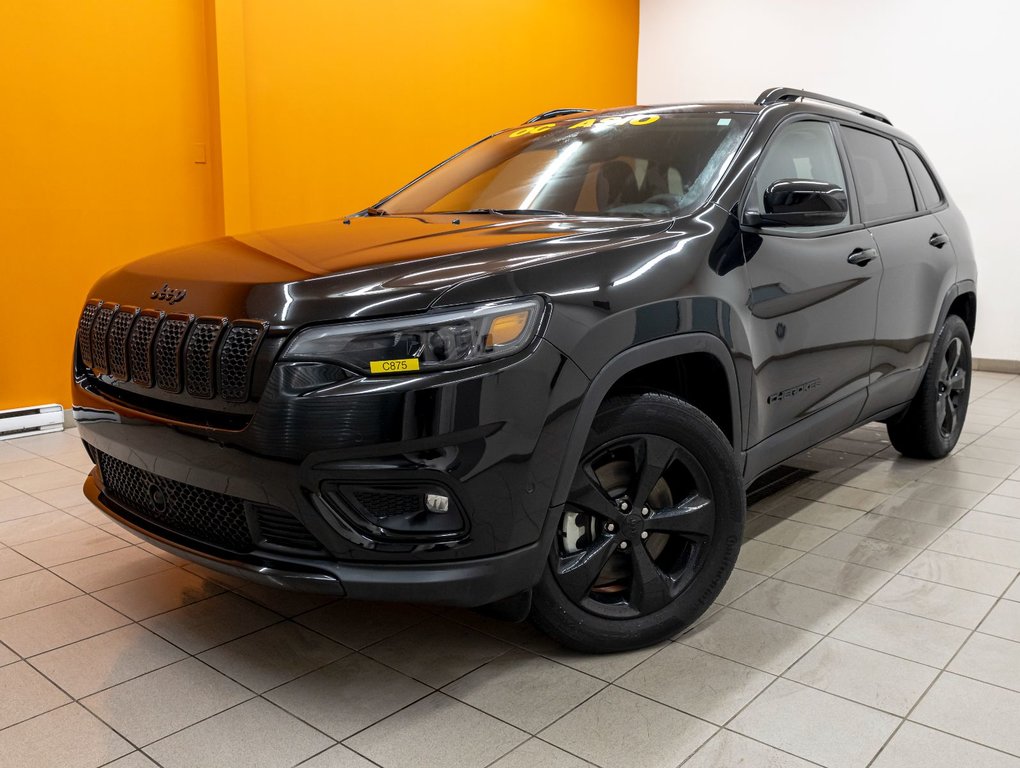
point(650, 587)
point(693, 518)
point(953, 352)
point(958, 380)
point(651, 457)
point(576, 573)
point(588, 494)
point(949, 421)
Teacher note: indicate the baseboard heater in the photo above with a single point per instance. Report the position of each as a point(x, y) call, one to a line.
point(18, 422)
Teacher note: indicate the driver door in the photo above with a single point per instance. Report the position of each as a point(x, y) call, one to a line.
point(813, 296)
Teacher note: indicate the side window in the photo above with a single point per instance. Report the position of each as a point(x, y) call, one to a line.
point(926, 185)
point(801, 150)
point(883, 186)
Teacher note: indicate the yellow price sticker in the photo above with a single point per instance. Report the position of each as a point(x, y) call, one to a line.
point(394, 366)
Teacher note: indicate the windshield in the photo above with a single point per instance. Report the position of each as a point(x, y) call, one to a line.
point(641, 164)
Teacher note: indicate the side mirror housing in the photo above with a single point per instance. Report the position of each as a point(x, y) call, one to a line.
point(801, 203)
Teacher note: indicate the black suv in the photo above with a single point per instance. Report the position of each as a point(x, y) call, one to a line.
point(542, 375)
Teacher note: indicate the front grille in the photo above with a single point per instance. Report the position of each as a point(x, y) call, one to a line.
point(195, 512)
point(206, 356)
point(207, 516)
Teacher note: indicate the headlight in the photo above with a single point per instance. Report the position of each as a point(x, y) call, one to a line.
point(431, 341)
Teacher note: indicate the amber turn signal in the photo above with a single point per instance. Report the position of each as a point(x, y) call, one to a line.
point(507, 328)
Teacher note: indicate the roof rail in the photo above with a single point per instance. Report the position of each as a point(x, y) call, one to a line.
point(777, 95)
point(556, 113)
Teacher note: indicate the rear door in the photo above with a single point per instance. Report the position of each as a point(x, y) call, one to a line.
point(813, 295)
point(918, 261)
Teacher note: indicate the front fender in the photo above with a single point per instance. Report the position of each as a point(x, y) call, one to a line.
point(631, 358)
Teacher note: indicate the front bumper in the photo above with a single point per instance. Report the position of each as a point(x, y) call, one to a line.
point(493, 437)
point(466, 583)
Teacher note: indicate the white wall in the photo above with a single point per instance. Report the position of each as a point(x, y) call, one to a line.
point(945, 72)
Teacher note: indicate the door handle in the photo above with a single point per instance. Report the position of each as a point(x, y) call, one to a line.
point(938, 240)
point(861, 256)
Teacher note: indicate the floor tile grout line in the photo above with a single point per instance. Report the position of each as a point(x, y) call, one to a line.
point(308, 759)
point(555, 661)
point(76, 703)
point(138, 622)
point(943, 584)
point(111, 686)
point(861, 602)
point(134, 751)
point(996, 514)
point(62, 533)
point(749, 738)
point(829, 634)
point(254, 695)
point(910, 546)
point(942, 671)
point(51, 566)
point(249, 700)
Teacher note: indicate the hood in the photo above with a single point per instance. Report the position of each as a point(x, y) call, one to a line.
point(355, 268)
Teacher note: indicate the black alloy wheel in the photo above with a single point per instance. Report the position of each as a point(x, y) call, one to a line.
point(650, 529)
point(952, 387)
point(930, 426)
point(639, 519)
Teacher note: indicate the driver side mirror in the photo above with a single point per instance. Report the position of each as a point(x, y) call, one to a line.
point(800, 203)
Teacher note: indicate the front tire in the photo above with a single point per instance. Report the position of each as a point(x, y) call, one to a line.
point(650, 531)
point(931, 426)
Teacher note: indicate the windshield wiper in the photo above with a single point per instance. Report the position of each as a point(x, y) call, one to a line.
point(373, 211)
point(511, 211)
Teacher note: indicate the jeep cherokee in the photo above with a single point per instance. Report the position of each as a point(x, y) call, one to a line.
point(543, 374)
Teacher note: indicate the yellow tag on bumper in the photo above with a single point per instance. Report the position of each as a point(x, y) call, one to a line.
point(394, 366)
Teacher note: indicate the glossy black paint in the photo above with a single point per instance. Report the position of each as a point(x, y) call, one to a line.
point(779, 335)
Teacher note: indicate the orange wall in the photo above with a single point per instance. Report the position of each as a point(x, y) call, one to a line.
point(101, 106)
point(347, 101)
point(307, 108)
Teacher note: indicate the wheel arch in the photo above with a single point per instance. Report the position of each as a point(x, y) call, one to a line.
point(965, 306)
point(622, 373)
point(961, 300)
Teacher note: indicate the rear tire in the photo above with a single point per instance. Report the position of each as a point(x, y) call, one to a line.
point(931, 425)
point(650, 531)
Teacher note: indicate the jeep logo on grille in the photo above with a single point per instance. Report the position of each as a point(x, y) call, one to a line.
point(157, 498)
point(171, 295)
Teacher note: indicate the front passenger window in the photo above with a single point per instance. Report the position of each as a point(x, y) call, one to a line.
point(802, 150)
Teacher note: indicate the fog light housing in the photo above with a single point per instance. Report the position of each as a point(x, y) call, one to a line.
point(399, 513)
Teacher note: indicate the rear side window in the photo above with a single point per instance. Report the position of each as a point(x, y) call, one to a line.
point(922, 176)
point(883, 186)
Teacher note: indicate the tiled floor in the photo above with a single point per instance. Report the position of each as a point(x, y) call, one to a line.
point(874, 619)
